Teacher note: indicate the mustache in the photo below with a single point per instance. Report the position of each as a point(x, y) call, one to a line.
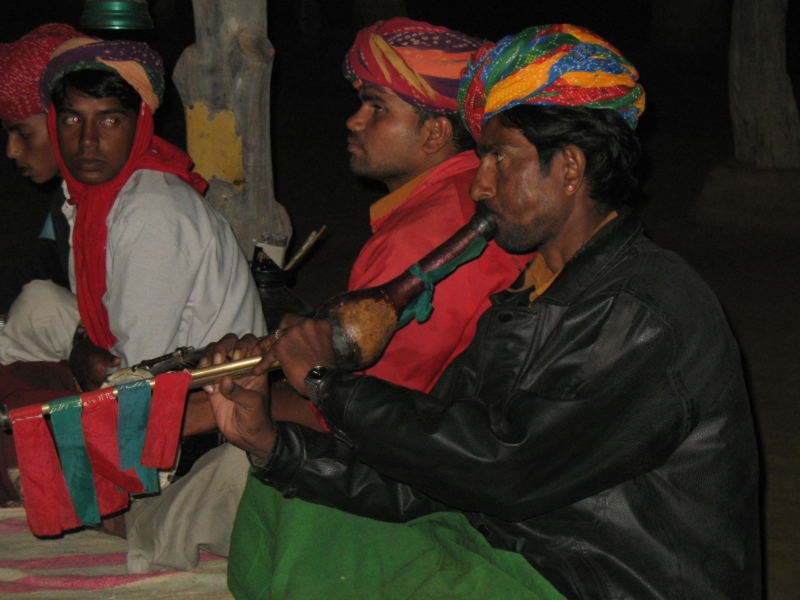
point(353, 139)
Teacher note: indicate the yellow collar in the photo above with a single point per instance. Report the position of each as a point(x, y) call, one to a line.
point(539, 276)
point(396, 198)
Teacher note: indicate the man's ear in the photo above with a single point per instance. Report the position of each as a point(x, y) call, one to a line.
point(574, 166)
point(437, 133)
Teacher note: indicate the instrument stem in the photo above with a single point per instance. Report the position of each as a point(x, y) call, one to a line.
point(200, 378)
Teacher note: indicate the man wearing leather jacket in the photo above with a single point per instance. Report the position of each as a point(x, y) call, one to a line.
point(598, 424)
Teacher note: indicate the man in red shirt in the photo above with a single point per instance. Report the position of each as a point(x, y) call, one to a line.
point(407, 134)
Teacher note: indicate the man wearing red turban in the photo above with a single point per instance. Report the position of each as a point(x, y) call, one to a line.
point(41, 312)
point(42, 319)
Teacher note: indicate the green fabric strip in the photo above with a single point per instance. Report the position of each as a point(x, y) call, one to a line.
point(290, 549)
point(133, 411)
point(65, 416)
point(421, 308)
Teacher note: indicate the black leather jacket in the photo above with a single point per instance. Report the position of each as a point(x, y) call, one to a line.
point(603, 432)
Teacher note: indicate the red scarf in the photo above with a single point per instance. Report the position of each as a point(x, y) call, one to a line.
point(90, 234)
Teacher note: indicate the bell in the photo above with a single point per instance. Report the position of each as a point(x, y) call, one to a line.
point(116, 14)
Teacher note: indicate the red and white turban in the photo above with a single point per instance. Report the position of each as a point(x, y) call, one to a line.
point(21, 65)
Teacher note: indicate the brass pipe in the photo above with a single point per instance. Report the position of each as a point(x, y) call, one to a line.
point(235, 368)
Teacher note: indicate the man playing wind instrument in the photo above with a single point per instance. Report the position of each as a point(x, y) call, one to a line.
point(597, 425)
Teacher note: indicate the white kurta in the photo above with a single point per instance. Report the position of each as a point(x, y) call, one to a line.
point(175, 274)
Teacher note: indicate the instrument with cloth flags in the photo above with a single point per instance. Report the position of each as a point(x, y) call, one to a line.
point(109, 442)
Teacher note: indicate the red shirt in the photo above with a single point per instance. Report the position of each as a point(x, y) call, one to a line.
point(436, 207)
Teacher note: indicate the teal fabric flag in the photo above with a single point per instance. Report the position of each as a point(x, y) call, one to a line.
point(133, 402)
point(421, 308)
point(65, 415)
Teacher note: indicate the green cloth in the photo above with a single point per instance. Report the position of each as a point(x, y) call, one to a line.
point(290, 549)
point(421, 307)
point(65, 416)
point(133, 411)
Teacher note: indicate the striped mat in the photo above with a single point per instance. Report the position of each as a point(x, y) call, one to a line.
point(89, 564)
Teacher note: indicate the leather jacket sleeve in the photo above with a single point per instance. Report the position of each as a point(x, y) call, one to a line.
point(321, 468)
point(599, 403)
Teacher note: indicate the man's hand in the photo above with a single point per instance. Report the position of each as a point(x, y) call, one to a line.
point(299, 345)
point(241, 409)
point(89, 364)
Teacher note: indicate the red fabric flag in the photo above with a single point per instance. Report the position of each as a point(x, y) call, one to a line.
point(47, 500)
point(99, 423)
point(21, 384)
point(166, 416)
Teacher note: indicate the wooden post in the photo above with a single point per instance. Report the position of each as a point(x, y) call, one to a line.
point(224, 82)
point(766, 124)
point(759, 190)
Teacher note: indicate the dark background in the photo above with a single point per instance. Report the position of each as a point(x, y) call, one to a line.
point(685, 129)
point(311, 99)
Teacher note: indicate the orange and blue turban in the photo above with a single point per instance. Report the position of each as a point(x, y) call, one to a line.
point(21, 65)
point(550, 64)
point(135, 62)
point(419, 62)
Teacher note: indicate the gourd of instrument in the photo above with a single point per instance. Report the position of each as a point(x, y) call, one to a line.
point(363, 321)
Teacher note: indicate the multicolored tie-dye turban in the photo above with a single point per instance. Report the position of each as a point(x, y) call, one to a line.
point(21, 64)
point(419, 62)
point(135, 62)
point(551, 64)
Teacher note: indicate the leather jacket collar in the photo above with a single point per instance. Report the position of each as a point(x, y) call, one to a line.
point(589, 263)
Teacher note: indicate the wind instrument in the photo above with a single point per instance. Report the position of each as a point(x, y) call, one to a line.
point(362, 321)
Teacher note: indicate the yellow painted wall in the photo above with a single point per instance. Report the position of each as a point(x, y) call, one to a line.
point(212, 143)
